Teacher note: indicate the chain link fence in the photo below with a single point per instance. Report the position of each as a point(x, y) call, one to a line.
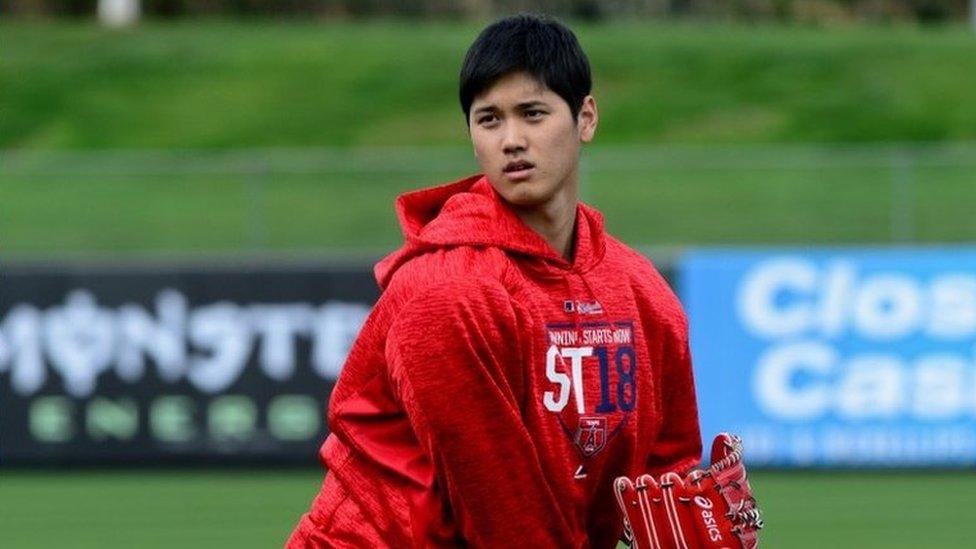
point(341, 200)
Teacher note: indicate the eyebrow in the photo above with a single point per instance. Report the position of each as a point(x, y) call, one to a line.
point(521, 106)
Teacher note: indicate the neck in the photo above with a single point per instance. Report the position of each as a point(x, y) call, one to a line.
point(555, 220)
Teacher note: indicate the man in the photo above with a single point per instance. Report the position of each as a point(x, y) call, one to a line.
point(519, 358)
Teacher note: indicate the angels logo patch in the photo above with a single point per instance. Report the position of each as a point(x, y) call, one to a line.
point(591, 435)
point(591, 370)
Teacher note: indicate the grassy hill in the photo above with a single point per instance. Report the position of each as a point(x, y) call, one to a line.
point(275, 136)
point(232, 84)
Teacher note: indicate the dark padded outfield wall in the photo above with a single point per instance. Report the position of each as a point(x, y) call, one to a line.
point(148, 363)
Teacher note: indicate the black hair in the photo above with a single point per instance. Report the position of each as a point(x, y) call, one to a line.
point(535, 44)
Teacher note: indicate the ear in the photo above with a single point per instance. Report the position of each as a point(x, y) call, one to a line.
point(587, 119)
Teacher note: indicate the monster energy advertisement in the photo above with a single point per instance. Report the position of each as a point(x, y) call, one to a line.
point(150, 364)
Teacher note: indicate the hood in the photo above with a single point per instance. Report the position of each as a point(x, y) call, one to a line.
point(469, 212)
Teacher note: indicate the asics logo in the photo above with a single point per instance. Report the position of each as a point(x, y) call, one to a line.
point(708, 518)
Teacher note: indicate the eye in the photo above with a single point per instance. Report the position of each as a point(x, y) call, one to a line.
point(534, 113)
point(486, 119)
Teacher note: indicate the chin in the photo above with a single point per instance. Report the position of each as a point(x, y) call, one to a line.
point(525, 194)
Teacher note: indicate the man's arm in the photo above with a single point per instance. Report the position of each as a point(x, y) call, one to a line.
point(456, 364)
point(678, 446)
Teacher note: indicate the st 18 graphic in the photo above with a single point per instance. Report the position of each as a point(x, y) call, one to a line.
point(592, 371)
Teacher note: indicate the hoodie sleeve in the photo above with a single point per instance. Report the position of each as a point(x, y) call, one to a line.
point(678, 446)
point(455, 359)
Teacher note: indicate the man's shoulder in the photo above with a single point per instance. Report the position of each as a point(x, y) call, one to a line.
point(450, 301)
point(649, 284)
point(628, 258)
point(456, 271)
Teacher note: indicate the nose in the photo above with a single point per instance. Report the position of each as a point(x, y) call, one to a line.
point(513, 139)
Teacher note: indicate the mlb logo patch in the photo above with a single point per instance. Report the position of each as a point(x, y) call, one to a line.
point(568, 306)
point(589, 307)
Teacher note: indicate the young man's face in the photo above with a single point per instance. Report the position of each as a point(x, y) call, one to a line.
point(526, 139)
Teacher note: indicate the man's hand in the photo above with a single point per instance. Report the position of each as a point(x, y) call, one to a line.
point(711, 508)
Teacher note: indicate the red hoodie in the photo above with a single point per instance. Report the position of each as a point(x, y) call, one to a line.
point(496, 390)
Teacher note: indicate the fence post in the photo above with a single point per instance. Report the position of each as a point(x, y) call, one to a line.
point(257, 211)
point(902, 201)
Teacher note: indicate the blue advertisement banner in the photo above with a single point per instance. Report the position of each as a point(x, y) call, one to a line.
point(837, 357)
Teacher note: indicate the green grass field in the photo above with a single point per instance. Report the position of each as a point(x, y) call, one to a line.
point(259, 84)
point(217, 509)
point(689, 150)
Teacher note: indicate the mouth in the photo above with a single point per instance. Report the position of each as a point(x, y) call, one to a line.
point(519, 170)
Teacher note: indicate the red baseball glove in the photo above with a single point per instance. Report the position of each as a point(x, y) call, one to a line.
point(706, 509)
